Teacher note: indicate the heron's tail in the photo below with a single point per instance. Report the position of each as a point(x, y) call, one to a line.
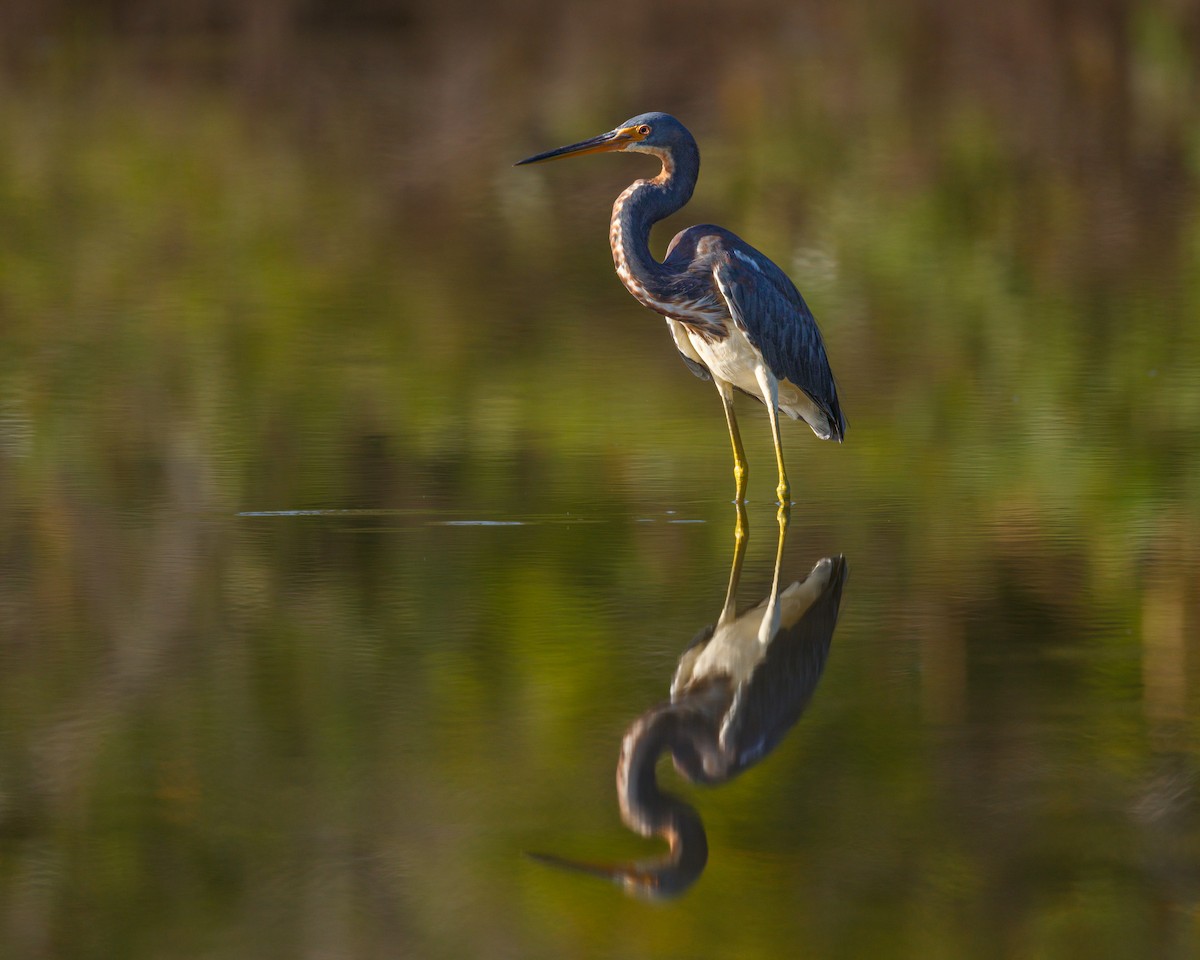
point(835, 422)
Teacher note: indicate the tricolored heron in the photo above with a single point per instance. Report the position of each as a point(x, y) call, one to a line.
point(741, 684)
point(735, 316)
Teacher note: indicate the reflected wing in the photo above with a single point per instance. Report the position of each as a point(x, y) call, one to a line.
point(784, 683)
point(687, 660)
point(766, 305)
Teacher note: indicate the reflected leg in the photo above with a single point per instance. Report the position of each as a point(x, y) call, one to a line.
point(770, 621)
point(741, 536)
point(741, 469)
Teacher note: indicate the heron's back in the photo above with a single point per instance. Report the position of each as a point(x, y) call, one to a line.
point(765, 319)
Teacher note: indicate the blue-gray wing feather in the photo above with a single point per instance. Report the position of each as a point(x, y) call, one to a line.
point(768, 308)
point(699, 369)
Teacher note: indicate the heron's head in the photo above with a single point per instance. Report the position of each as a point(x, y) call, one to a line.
point(659, 134)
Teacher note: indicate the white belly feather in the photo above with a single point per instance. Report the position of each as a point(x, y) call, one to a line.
point(735, 361)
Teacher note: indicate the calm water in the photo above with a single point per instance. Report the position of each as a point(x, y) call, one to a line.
point(352, 515)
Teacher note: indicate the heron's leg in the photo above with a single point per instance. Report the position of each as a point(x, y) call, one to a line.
point(741, 469)
point(770, 394)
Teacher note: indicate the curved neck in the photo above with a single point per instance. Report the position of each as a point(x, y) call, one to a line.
point(642, 205)
point(644, 806)
point(650, 811)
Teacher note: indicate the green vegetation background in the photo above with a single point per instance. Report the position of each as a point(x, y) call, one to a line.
point(275, 258)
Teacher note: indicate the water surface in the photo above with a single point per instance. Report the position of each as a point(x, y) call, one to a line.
point(351, 512)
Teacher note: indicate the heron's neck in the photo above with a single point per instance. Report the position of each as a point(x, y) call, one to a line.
point(637, 209)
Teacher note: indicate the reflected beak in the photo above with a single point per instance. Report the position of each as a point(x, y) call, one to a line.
point(609, 142)
point(659, 879)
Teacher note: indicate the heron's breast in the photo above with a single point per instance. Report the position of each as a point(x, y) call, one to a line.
point(731, 357)
point(699, 312)
point(734, 358)
point(689, 303)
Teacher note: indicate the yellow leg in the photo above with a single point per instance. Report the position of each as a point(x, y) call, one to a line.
point(770, 395)
point(770, 621)
point(741, 536)
point(741, 469)
point(783, 517)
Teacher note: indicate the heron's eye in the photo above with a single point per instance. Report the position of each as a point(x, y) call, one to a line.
point(644, 130)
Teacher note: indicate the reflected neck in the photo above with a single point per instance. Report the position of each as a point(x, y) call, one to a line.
point(645, 807)
point(648, 810)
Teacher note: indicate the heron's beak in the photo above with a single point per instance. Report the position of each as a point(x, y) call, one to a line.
point(605, 143)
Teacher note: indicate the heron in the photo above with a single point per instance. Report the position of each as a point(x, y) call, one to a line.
point(736, 318)
point(739, 687)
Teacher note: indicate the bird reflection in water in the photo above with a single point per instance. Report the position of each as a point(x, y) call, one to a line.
point(739, 687)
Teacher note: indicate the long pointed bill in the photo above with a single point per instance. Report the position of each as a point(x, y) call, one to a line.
point(605, 143)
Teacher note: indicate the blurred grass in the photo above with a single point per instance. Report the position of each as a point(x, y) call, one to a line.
point(230, 282)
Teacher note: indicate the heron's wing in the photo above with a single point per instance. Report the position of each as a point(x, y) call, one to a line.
point(699, 369)
point(684, 346)
point(768, 308)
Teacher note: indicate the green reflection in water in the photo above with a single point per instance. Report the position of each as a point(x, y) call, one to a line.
point(236, 735)
point(739, 687)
